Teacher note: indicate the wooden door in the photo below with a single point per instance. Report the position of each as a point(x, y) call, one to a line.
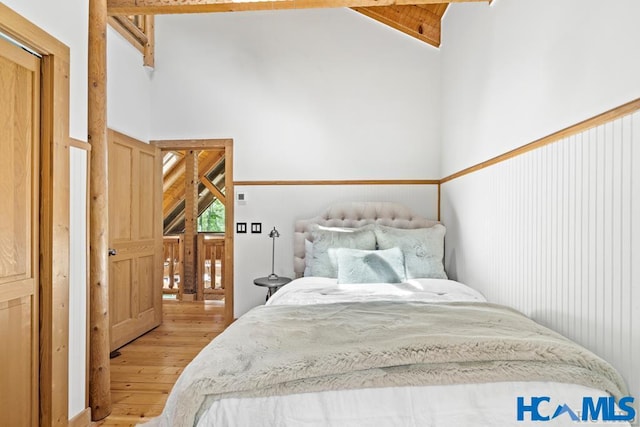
point(135, 234)
point(19, 235)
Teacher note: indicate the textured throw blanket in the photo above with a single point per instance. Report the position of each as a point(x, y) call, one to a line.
point(277, 350)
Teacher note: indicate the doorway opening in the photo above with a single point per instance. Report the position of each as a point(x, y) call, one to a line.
point(197, 210)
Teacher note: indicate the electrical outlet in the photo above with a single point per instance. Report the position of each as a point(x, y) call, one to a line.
point(256, 227)
point(241, 227)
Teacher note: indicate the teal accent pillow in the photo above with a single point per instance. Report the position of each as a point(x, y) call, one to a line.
point(357, 266)
point(324, 262)
point(423, 249)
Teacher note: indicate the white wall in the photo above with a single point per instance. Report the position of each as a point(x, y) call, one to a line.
point(128, 88)
point(519, 70)
point(67, 21)
point(306, 95)
point(553, 233)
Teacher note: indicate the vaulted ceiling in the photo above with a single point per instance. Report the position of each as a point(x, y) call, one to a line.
point(211, 186)
point(418, 18)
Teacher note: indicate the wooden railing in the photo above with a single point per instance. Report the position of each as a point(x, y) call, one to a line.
point(210, 267)
point(172, 276)
point(210, 250)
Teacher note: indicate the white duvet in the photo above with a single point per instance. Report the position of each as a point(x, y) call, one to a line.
point(322, 290)
point(488, 404)
point(470, 405)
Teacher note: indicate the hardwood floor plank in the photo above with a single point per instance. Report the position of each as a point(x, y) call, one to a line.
point(160, 370)
point(147, 368)
point(143, 378)
point(138, 411)
point(138, 397)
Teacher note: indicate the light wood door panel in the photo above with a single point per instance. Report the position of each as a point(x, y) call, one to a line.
point(120, 185)
point(135, 233)
point(19, 235)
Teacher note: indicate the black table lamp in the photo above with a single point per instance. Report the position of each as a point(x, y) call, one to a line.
point(273, 234)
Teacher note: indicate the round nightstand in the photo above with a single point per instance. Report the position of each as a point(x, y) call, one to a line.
point(272, 285)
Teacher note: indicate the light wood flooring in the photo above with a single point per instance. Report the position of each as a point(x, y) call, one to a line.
point(143, 375)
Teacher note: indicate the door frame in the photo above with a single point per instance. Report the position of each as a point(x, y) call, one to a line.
point(227, 145)
point(54, 214)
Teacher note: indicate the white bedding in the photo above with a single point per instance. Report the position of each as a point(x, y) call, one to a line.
point(483, 404)
point(462, 405)
point(322, 290)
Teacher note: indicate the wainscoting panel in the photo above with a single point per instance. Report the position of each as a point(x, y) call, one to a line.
point(555, 233)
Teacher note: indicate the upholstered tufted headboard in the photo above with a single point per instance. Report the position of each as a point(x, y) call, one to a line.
point(353, 215)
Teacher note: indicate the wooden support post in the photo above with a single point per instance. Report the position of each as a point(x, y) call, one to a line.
point(99, 365)
point(227, 264)
point(190, 221)
point(200, 270)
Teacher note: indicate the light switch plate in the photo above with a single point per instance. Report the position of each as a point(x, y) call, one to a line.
point(256, 227)
point(241, 227)
point(241, 197)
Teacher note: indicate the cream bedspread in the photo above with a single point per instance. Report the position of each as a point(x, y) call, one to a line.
point(275, 350)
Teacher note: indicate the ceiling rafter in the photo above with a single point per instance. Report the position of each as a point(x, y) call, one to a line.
point(419, 21)
point(139, 31)
point(150, 7)
point(174, 194)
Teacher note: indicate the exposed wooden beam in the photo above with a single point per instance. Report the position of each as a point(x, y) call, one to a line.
point(99, 363)
point(191, 144)
point(174, 195)
point(142, 37)
point(132, 28)
point(148, 57)
point(214, 190)
point(116, 25)
point(176, 226)
point(416, 21)
point(155, 7)
point(173, 174)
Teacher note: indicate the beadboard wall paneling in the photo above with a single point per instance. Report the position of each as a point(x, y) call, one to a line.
point(555, 233)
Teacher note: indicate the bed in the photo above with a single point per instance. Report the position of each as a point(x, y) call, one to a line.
point(376, 334)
